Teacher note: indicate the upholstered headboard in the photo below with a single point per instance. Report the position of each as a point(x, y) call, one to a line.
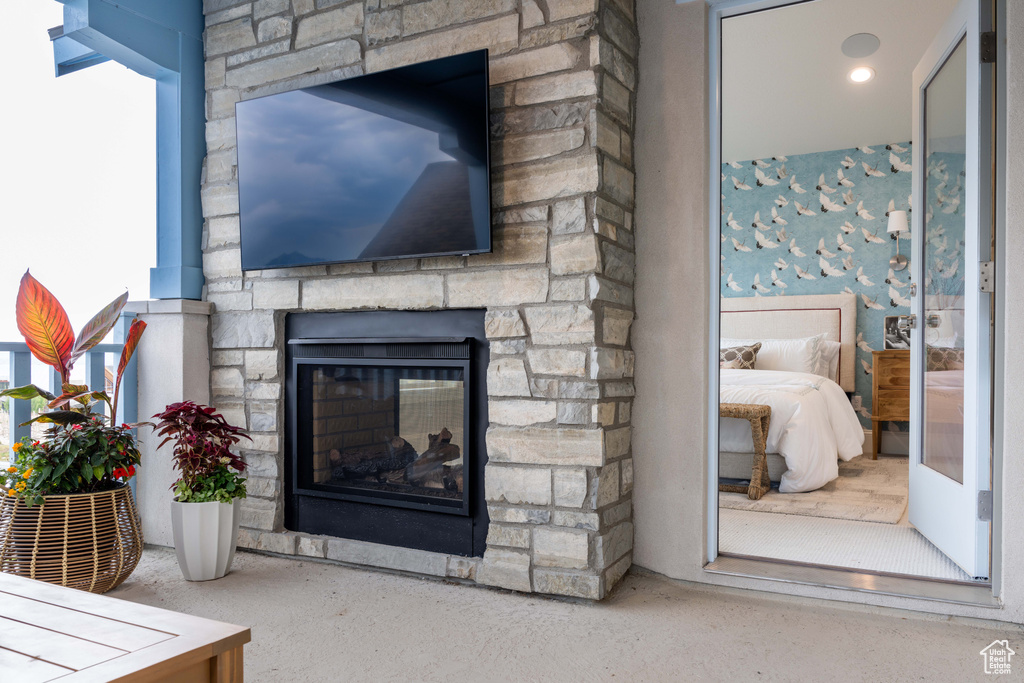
point(791, 317)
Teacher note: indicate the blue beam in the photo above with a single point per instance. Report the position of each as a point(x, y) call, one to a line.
point(161, 40)
point(69, 56)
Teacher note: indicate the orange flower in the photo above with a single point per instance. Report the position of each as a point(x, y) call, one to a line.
point(12, 469)
point(17, 446)
point(28, 473)
point(11, 492)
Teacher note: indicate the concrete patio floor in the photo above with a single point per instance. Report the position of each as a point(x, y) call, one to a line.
point(313, 621)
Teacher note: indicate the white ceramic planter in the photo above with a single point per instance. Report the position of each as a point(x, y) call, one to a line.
point(204, 538)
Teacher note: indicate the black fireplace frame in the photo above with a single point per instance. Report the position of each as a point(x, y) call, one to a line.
point(425, 525)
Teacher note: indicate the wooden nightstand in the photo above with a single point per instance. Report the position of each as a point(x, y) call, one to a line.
point(890, 391)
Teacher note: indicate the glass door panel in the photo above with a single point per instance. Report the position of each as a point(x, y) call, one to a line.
point(945, 128)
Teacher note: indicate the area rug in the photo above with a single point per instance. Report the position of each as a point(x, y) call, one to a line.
point(866, 491)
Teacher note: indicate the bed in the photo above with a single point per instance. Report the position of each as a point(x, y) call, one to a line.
point(812, 421)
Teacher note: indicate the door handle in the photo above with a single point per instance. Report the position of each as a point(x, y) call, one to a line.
point(907, 322)
point(933, 320)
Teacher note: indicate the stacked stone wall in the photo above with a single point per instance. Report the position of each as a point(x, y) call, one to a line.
point(558, 287)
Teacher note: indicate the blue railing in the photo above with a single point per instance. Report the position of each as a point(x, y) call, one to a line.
point(20, 411)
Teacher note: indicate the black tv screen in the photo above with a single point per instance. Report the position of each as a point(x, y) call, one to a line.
point(388, 165)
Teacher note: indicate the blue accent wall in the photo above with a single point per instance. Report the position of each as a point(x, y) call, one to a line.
point(808, 249)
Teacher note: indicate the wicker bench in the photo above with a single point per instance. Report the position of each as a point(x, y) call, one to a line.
point(759, 417)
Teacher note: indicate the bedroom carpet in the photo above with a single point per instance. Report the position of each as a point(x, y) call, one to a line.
point(866, 491)
point(889, 548)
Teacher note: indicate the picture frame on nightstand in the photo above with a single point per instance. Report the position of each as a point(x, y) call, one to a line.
point(895, 338)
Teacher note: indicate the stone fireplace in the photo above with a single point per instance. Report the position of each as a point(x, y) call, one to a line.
point(555, 297)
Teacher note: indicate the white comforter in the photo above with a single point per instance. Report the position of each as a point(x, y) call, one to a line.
point(812, 423)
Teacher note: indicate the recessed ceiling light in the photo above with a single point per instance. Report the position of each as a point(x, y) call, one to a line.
point(862, 74)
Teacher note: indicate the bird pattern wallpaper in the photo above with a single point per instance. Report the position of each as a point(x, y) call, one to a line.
point(816, 224)
point(945, 227)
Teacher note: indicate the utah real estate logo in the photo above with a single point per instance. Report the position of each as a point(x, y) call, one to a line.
point(997, 657)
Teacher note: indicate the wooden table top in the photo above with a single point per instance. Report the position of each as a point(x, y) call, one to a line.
point(48, 632)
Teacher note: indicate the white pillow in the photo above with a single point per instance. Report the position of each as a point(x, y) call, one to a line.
point(943, 342)
point(789, 355)
point(830, 360)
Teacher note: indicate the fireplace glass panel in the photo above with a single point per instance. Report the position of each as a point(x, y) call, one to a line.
point(390, 432)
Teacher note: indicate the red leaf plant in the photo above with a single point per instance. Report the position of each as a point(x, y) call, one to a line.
point(82, 454)
point(44, 324)
point(209, 471)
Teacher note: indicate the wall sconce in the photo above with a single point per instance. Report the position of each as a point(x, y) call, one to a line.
point(898, 224)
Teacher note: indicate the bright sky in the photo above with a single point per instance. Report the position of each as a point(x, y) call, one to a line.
point(78, 178)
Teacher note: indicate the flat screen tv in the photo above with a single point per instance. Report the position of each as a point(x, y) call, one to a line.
point(388, 165)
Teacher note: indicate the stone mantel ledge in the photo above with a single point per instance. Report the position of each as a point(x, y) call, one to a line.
point(360, 553)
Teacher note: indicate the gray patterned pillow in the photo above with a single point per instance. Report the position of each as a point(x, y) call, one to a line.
point(941, 358)
point(740, 357)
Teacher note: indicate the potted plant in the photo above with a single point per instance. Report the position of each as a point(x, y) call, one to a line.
point(67, 515)
point(204, 511)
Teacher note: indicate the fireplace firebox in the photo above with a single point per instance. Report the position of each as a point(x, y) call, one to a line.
point(386, 418)
point(366, 423)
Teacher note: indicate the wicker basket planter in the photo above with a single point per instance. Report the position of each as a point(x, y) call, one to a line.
point(88, 541)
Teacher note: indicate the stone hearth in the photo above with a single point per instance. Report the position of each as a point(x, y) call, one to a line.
point(557, 289)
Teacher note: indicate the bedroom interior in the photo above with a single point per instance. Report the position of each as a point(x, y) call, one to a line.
point(817, 203)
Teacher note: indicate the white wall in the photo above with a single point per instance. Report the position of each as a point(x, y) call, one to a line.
point(670, 437)
point(672, 285)
point(1013, 317)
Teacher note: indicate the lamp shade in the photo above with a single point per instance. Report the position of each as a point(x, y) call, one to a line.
point(898, 222)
